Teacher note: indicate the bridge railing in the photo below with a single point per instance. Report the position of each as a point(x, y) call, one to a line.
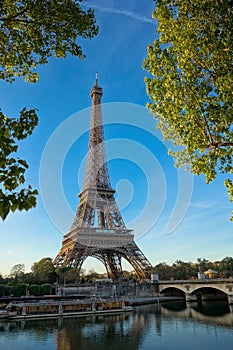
point(204, 280)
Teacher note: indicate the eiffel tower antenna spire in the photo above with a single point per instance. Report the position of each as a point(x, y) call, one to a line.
point(96, 78)
point(98, 229)
point(96, 171)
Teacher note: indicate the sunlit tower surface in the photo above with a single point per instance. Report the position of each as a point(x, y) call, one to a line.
point(98, 229)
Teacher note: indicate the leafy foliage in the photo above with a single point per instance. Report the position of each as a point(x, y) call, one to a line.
point(19, 290)
point(2, 290)
point(30, 32)
point(33, 30)
point(37, 282)
point(12, 169)
point(68, 274)
point(17, 270)
point(34, 289)
point(46, 289)
point(190, 83)
point(45, 270)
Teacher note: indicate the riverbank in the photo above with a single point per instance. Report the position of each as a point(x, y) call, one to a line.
point(152, 300)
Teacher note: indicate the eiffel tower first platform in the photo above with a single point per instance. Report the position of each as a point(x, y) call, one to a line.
point(98, 229)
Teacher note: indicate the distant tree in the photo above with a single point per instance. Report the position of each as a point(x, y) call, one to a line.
point(46, 289)
point(130, 275)
point(82, 273)
point(30, 32)
point(72, 276)
point(92, 275)
point(67, 274)
point(17, 271)
point(193, 270)
point(183, 270)
point(165, 271)
point(19, 290)
point(203, 264)
point(34, 289)
point(190, 83)
point(226, 266)
point(30, 278)
point(2, 280)
point(2, 290)
point(44, 270)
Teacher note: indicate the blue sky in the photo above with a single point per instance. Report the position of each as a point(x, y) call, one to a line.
point(149, 188)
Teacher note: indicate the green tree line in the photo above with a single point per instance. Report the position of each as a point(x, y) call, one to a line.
point(44, 274)
point(181, 270)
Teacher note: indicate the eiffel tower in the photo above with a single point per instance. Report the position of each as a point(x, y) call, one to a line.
point(98, 229)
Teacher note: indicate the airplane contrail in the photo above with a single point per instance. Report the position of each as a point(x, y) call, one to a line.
point(121, 12)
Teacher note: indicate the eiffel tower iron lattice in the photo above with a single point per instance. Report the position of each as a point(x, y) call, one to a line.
point(98, 229)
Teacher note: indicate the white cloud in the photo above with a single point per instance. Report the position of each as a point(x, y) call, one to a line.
point(204, 204)
point(129, 14)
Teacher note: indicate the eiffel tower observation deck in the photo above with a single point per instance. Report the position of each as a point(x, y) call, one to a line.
point(98, 229)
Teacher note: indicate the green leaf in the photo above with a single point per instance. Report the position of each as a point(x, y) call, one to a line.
point(190, 79)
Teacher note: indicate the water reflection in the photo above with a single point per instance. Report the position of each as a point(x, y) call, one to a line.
point(217, 313)
point(100, 333)
point(162, 324)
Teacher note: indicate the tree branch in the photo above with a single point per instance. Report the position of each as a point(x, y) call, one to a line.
point(200, 63)
point(206, 131)
point(221, 144)
point(12, 18)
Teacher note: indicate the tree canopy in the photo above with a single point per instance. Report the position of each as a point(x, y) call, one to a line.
point(17, 270)
point(33, 30)
point(43, 269)
point(190, 83)
point(30, 32)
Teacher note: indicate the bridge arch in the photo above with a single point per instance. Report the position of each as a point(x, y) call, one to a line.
point(209, 293)
point(172, 291)
point(194, 292)
point(210, 289)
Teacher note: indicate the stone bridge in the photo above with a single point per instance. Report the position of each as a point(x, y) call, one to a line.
point(202, 289)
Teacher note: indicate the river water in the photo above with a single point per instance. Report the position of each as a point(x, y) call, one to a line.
point(168, 326)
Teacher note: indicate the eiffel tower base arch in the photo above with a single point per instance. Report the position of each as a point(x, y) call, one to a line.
point(73, 254)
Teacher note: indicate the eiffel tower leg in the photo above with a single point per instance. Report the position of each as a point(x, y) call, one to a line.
point(137, 260)
point(78, 257)
point(114, 263)
point(71, 258)
point(104, 260)
point(61, 259)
